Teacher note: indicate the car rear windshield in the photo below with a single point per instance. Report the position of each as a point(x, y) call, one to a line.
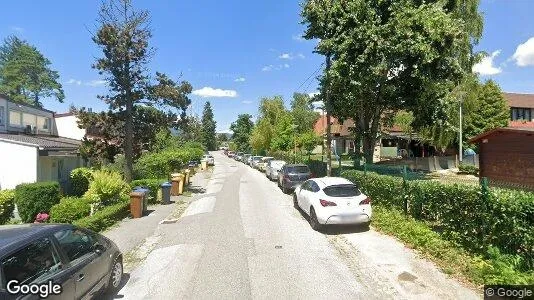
point(342, 190)
point(298, 169)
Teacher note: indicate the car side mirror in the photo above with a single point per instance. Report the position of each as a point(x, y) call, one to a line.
point(99, 248)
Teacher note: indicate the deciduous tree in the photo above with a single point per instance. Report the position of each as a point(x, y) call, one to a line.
point(208, 128)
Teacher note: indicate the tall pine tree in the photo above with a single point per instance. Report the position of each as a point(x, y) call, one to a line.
point(209, 138)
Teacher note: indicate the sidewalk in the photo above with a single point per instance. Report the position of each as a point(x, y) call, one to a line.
point(129, 233)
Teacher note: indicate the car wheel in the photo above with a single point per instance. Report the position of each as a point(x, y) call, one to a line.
point(285, 190)
point(116, 275)
point(295, 201)
point(314, 223)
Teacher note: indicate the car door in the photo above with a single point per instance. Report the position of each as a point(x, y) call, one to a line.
point(38, 262)
point(78, 247)
point(312, 195)
point(303, 196)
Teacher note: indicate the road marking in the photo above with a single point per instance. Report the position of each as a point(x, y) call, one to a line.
point(202, 205)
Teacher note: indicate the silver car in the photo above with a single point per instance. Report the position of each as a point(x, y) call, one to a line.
point(210, 160)
point(272, 168)
point(255, 161)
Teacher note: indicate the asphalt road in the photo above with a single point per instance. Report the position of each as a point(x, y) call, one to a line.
point(242, 239)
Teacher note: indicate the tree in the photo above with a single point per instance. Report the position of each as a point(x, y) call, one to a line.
point(302, 112)
point(123, 36)
point(308, 141)
point(390, 56)
point(284, 140)
point(191, 129)
point(242, 129)
point(208, 128)
point(26, 75)
point(271, 111)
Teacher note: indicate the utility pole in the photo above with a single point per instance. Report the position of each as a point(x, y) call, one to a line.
point(328, 122)
point(460, 155)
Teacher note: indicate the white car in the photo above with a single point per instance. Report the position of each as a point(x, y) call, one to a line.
point(272, 168)
point(332, 200)
point(210, 160)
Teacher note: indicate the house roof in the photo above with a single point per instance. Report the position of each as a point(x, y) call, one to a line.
point(67, 114)
point(44, 142)
point(519, 100)
point(501, 130)
point(344, 128)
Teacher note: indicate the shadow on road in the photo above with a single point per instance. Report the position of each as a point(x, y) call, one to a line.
point(195, 189)
point(337, 229)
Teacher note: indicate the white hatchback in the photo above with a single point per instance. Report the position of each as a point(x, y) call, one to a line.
point(332, 200)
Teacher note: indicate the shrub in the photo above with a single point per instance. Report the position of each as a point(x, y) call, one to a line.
point(80, 179)
point(7, 205)
point(155, 165)
point(33, 198)
point(468, 169)
point(153, 185)
point(107, 188)
point(105, 217)
point(70, 209)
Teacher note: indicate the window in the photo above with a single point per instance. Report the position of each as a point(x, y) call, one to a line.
point(29, 119)
point(75, 243)
point(33, 263)
point(43, 123)
point(521, 114)
point(15, 118)
point(314, 187)
point(2, 111)
point(298, 169)
point(342, 190)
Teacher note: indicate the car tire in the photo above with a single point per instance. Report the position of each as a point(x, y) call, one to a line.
point(285, 190)
point(295, 202)
point(314, 223)
point(115, 277)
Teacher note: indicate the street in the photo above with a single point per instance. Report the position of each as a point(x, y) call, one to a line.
point(242, 239)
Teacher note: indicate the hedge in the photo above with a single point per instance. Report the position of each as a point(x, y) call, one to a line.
point(70, 209)
point(107, 188)
point(7, 205)
point(106, 217)
point(468, 169)
point(475, 218)
point(154, 185)
point(80, 179)
point(156, 165)
point(33, 198)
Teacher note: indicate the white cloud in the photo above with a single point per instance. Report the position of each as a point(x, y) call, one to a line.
point(486, 67)
point(301, 56)
point(313, 94)
point(267, 68)
point(285, 56)
point(74, 81)
point(285, 66)
point(211, 92)
point(246, 102)
point(240, 79)
point(17, 29)
point(275, 68)
point(524, 54)
point(298, 38)
point(96, 83)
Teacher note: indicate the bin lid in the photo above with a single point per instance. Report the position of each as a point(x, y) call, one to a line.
point(166, 184)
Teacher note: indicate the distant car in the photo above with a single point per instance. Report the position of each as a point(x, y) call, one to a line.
point(83, 262)
point(238, 156)
point(249, 160)
point(193, 163)
point(292, 175)
point(255, 160)
point(210, 159)
point(263, 162)
point(272, 168)
point(245, 157)
point(231, 154)
point(332, 200)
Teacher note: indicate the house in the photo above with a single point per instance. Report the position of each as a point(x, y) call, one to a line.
point(521, 109)
point(507, 155)
point(30, 148)
point(67, 126)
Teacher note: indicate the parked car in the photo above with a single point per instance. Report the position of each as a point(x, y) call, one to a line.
point(210, 159)
point(272, 168)
point(249, 160)
point(238, 156)
point(84, 263)
point(332, 200)
point(292, 175)
point(263, 162)
point(255, 160)
point(245, 157)
point(231, 154)
point(193, 163)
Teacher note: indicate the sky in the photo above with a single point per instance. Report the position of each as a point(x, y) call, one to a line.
point(234, 52)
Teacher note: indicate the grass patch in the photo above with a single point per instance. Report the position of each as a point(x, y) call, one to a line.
point(451, 258)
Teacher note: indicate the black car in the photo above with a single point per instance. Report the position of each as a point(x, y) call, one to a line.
point(291, 175)
point(81, 262)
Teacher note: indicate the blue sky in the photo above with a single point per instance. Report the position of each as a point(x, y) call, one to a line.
point(234, 52)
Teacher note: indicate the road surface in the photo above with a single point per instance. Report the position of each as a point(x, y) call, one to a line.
point(242, 239)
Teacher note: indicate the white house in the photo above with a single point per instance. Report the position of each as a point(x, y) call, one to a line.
point(67, 126)
point(30, 148)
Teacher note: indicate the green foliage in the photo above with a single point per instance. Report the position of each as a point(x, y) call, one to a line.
point(308, 141)
point(156, 165)
point(468, 169)
point(80, 178)
point(70, 209)
point(302, 111)
point(7, 205)
point(208, 128)
point(33, 198)
point(284, 138)
point(242, 129)
point(25, 74)
point(107, 188)
point(154, 185)
point(105, 218)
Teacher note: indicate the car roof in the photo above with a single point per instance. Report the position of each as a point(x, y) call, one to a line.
point(13, 236)
point(296, 165)
point(277, 161)
point(267, 157)
point(328, 181)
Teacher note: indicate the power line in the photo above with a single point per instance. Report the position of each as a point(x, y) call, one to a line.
point(317, 70)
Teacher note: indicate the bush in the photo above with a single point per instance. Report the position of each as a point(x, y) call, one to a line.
point(156, 165)
point(70, 209)
point(468, 169)
point(7, 205)
point(33, 198)
point(107, 188)
point(80, 179)
point(153, 185)
point(105, 217)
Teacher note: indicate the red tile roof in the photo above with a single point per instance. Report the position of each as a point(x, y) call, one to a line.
point(521, 124)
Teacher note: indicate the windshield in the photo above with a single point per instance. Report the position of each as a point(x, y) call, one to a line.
point(298, 169)
point(342, 190)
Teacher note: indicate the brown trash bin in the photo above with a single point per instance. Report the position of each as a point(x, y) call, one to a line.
point(136, 204)
point(174, 186)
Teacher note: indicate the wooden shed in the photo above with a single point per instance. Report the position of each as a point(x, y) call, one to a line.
point(507, 155)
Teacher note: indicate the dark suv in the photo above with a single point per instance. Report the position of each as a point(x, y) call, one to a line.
point(292, 175)
point(82, 262)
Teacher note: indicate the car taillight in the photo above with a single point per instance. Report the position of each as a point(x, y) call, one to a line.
point(366, 201)
point(327, 203)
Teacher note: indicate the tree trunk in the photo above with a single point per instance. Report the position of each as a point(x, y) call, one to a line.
point(128, 141)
